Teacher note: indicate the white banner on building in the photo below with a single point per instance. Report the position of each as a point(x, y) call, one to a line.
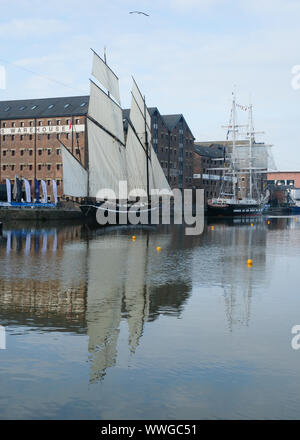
point(27, 191)
point(8, 190)
point(54, 185)
point(46, 129)
point(45, 195)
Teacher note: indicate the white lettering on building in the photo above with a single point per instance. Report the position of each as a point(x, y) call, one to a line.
point(47, 129)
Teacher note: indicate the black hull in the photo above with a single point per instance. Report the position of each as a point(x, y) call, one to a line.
point(234, 210)
point(89, 212)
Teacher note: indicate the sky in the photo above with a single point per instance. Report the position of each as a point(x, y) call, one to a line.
point(187, 57)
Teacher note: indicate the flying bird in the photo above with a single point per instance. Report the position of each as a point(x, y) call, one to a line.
point(139, 12)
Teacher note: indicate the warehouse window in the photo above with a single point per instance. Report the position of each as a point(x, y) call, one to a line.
point(7, 108)
point(66, 105)
point(50, 106)
point(33, 107)
point(83, 104)
point(22, 107)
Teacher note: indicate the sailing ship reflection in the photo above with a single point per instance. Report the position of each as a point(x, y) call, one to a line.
point(65, 279)
point(123, 284)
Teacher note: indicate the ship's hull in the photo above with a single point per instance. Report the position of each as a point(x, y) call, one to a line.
point(295, 209)
point(120, 216)
point(232, 210)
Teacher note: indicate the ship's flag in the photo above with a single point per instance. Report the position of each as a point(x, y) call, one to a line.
point(27, 191)
point(37, 190)
point(8, 190)
point(45, 195)
point(19, 190)
point(70, 126)
point(54, 185)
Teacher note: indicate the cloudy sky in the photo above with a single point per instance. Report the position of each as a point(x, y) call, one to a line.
point(186, 57)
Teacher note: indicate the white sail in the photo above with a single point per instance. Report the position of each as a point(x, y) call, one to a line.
point(106, 112)
point(136, 163)
point(136, 152)
point(106, 77)
point(137, 119)
point(106, 160)
point(75, 177)
point(140, 102)
point(158, 180)
point(259, 158)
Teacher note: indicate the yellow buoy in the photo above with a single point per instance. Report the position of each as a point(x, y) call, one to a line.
point(133, 237)
point(158, 248)
point(212, 228)
point(250, 262)
point(251, 224)
point(269, 222)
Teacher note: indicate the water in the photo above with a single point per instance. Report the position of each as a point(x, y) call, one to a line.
point(101, 327)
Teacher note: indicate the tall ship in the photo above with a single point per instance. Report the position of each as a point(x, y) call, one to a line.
point(114, 155)
point(245, 164)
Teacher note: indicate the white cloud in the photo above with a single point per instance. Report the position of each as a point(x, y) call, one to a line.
point(27, 28)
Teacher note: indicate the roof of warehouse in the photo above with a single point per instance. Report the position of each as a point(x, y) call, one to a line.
point(46, 107)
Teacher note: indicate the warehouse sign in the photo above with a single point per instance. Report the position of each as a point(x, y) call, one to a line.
point(47, 129)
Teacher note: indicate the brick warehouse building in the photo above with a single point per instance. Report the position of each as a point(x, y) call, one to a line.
point(30, 131)
point(207, 159)
point(173, 143)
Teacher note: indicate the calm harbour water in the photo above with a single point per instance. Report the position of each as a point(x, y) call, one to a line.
point(101, 327)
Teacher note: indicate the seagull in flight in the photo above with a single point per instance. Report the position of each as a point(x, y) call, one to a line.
point(139, 12)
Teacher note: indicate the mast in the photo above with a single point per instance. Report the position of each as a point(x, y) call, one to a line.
point(233, 145)
point(147, 151)
point(251, 138)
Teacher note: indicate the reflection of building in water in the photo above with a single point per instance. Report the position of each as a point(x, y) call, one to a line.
point(33, 283)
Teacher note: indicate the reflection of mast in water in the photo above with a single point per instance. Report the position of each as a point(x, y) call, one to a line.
point(104, 299)
point(233, 287)
point(118, 286)
point(136, 294)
